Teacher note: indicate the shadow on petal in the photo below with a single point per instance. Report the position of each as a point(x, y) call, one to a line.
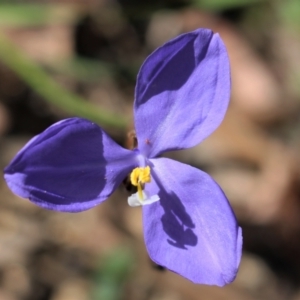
point(171, 73)
point(176, 222)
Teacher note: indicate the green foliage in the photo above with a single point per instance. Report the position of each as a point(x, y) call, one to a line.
point(289, 12)
point(52, 92)
point(30, 14)
point(113, 271)
point(83, 69)
point(216, 5)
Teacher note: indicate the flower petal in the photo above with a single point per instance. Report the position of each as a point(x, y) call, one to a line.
point(192, 229)
point(182, 93)
point(71, 166)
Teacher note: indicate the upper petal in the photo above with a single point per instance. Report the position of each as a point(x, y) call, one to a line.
point(182, 92)
point(71, 166)
point(192, 229)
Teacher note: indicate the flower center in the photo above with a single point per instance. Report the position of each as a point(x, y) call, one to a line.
point(138, 178)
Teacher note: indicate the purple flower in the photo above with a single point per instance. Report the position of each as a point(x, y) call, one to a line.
point(182, 94)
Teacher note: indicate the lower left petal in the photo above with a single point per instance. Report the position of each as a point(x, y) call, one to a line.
point(71, 166)
point(192, 230)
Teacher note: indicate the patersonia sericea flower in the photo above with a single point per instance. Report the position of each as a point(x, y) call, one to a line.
point(181, 97)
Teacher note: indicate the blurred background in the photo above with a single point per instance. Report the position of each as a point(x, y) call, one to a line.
point(61, 58)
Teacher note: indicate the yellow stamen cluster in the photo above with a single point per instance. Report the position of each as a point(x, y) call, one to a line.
point(140, 176)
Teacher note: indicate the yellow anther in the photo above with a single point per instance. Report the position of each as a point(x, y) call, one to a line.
point(140, 176)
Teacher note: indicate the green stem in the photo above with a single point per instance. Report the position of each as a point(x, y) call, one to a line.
point(51, 91)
